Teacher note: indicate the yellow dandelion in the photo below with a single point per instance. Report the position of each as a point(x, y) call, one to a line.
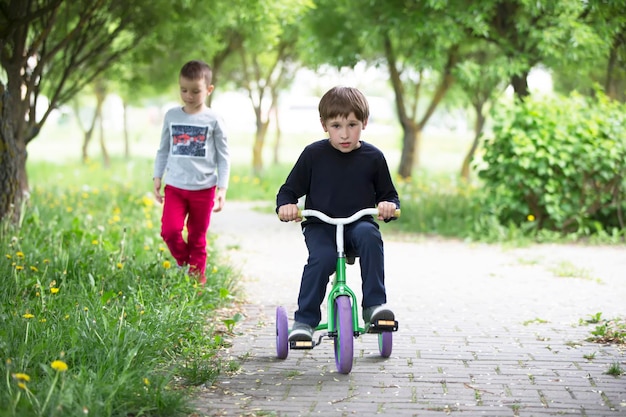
point(54, 290)
point(236, 179)
point(146, 247)
point(86, 308)
point(256, 181)
point(8, 256)
point(19, 267)
point(67, 316)
point(167, 264)
point(120, 265)
point(94, 242)
point(19, 254)
point(147, 201)
point(530, 218)
point(214, 270)
point(28, 316)
point(59, 366)
point(34, 268)
point(161, 249)
point(146, 382)
point(69, 209)
point(22, 385)
point(42, 321)
point(116, 219)
point(21, 376)
point(37, 294)
point(46, 261)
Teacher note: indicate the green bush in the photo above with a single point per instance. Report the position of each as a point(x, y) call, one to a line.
point(559, 162)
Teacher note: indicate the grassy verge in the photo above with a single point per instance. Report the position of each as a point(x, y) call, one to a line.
point(96, 320)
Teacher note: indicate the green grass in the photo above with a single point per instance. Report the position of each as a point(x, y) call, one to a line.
point(89, 285)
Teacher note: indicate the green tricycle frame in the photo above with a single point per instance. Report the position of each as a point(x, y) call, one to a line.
point(343, 313)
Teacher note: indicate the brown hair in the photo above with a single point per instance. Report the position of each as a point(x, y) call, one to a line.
point(195, 70)
point(341, 101)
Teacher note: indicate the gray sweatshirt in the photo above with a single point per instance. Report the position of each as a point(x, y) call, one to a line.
point(193, 153)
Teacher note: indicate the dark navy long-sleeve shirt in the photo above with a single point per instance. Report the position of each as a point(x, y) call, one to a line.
point(336, 183)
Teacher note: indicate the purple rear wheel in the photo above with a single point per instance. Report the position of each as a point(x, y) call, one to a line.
point(344, 342)
point(385, 343)
point(282, 333)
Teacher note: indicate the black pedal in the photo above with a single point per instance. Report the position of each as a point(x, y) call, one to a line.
point(301, 344)
point(380, 326)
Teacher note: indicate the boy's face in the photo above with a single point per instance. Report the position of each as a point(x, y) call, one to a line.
point(344, 132)
point(194, 93)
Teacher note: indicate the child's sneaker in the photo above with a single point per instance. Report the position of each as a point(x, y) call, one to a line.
point(376, 313)
point(301, 332)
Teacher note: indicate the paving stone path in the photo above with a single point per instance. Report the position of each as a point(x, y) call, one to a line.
point(483, 330)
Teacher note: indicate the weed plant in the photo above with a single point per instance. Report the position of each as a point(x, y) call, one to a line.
point(96, 318)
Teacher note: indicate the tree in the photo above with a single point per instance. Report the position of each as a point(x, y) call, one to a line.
point(267, 62)
point(417, 41)
point(602, 61)
point(527, 33)
point(481, 77)
point(54, 48)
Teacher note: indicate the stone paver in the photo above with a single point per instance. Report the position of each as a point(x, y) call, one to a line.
point(484, 331)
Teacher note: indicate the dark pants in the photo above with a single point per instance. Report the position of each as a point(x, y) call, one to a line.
point(362, 238)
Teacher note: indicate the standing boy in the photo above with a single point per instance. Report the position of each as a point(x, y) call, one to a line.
point(194, 157)
point(340, 176)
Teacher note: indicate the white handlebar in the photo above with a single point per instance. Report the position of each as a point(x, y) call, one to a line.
point(341, 220)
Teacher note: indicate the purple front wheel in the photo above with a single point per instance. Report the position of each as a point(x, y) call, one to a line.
point(344, 342)
point(282, 333)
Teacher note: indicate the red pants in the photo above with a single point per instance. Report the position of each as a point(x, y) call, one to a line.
point(195, 207)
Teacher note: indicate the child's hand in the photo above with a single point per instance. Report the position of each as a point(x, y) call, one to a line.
point(386, 210)
point(157, 190)
point(220, 199)
point(289, 212)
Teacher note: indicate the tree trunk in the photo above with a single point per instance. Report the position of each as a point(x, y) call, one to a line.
point(478, 130)
point(10, 192)
point(126, 135)
point(520, 85)
point(100, 90)
point(103, 148)
point(411, 136)
point(257, 148)
point(278, 135)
